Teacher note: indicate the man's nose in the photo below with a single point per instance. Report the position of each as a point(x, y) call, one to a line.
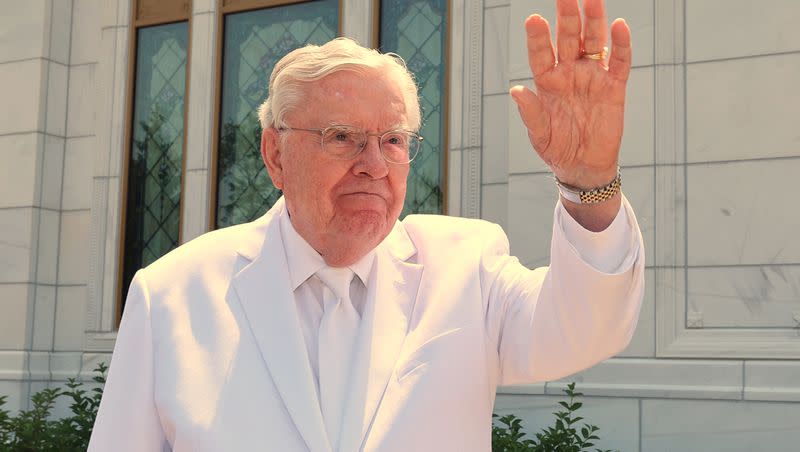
point(370, 161)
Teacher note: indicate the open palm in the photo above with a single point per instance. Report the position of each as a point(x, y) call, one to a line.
point(575, 118)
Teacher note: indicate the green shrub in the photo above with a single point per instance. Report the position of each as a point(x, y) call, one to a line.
point(561, 437)
point(33, 430)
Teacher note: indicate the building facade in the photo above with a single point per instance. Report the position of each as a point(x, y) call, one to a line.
point(128, 128)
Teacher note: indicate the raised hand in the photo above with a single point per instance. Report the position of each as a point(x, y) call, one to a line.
point(575, 117)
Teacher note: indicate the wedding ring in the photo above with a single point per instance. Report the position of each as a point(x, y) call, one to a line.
point(596, 56)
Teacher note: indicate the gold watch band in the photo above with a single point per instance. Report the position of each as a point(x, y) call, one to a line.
point(592, 196)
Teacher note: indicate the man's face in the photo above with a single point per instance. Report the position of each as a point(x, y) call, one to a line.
point(341, 206)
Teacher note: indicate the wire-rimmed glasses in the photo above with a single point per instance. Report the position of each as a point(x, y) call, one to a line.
point(345, 142)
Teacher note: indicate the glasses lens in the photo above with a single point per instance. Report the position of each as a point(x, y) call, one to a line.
point(342, 142)
point(399, 146)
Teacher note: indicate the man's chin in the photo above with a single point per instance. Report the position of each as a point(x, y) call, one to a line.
point(364, 225)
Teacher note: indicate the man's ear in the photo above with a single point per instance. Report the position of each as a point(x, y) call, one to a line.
point(271, 155)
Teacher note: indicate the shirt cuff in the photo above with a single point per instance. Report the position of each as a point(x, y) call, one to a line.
point(608, 251)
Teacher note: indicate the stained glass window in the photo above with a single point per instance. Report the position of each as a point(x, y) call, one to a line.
point(152, 216)
point(417, 31)
point(254, 42)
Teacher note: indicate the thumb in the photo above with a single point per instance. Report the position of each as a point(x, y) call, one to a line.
point(534, 116)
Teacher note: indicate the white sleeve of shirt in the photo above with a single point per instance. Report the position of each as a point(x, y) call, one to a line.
point(608, 251)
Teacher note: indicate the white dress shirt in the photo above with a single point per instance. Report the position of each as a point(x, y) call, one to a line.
point(606, 251)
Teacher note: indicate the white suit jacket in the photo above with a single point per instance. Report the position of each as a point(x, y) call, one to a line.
point(210, 355)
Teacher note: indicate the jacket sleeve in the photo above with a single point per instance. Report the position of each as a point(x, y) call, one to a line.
point(554, 321)
point(127, 419)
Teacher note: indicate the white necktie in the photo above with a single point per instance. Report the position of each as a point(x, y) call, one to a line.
point(337, 334)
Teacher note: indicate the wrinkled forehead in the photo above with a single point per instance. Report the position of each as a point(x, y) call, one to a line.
point(368, 99)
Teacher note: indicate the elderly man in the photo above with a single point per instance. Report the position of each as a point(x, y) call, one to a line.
point(327, 325)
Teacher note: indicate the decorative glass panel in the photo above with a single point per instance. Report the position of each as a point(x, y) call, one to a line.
point(152, 216)
point(254, 42)
point(417, 31)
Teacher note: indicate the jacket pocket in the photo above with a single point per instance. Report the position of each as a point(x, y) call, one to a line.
point(419, 358)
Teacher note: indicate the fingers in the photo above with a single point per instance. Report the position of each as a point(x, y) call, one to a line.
point(541, 56)
point(619, 65)
point(534, 115)
point(569, 30)
point(594, 28)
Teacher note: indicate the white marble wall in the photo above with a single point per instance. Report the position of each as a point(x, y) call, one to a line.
point(710, 157)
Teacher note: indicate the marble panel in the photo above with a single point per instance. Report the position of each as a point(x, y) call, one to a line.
point(16, 304)
point(772, 380)
point(743, 109)
point(495, 3)
point(670, 114)
point(765, 296)
point(355, 16)
point(194, 211)
point(60, 30)
point(457, 77)
point(73, 257)
point(52, 172)
point(200, 102)
point(201, 6)
point(643, 342)
point(638, 186)
point(741, 214)
point(56, 114)
point(531, 200)
point(70, 318)
point(494, 155)
point(86, 23)
point(669, 246)
point(667, 378)
point(494, 204)
point(65, 365)
point(39, 370)
point(495, 51)
point(112, 73)
point(454, 183)
point(13, 365)
point(47, 247)
point(23, 30)
point(669, 31)
point(695, 426)
point(82, 102)
point(637, 13)
point(117, 13)
point(638, 137)
point(16, 248)
point(718, 29)
point(44, 313)
point(17, 394)
point(617, 419)
point(78, 169)
point(20, 174)
point(21, 87)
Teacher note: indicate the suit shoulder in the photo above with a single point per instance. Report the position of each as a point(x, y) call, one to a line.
point(214, 251)
point(442, 228)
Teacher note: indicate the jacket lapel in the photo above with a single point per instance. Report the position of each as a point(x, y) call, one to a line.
point(390, 300)
point(265, 295)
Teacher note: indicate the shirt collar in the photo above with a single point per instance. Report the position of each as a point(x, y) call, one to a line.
point(304, 260)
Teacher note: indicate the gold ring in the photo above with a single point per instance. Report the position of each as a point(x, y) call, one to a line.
point(596, 56)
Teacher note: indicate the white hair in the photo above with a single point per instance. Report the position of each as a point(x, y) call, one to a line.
point(312, 62)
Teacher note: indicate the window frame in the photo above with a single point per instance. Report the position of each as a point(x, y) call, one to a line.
point(146, 15)
point(226, 7)
point(445, 147)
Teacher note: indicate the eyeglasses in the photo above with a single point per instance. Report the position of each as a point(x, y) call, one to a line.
point(345, 142)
